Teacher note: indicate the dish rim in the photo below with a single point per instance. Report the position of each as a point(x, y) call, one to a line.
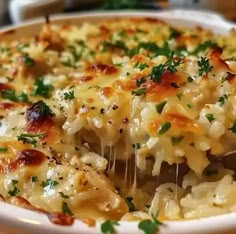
point(31, 221)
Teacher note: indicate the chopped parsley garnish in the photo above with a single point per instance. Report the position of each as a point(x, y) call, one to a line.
point(139, 92)
point(41, 88)
point(204, 66)
point(29, 138)
point(113, 44)
point(108, 227)
point(176, 140)
point(34, 179)
point(69, 95)
point(233, 128)
point(5, 50)
point(190, 105)
point(210, 117)
point(157, 72)
point(142, 66)
point(210, 172)
point(21, 47)
point(67, 63)
point(179, 95)
point(77, 56)
point(11, 95)
point(14, 191)
point(137, 146)
point(140, 81)
point(94, 87)
point(190, 79)
point(3, 149)
point(203, 46)
point(222, 100)
point(28, 61)
point(64, 195)
point(14, 182)
point(174, 33)
point(130, 204)
point(160, 106)
point(163, 128)
point(65, 209)
point(48, 184)
point(152, 48)
point(170, 65)
point(150, 226)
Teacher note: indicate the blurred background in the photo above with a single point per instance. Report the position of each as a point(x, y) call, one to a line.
point(16, 11)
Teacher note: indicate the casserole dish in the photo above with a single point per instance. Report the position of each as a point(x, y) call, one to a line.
point(30, 222)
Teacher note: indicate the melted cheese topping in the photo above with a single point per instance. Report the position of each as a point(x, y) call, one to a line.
point(91, 112)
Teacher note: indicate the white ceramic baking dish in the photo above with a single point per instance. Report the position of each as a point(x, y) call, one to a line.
point(15, 220)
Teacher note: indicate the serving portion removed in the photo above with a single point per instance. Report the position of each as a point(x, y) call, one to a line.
point(125, 119)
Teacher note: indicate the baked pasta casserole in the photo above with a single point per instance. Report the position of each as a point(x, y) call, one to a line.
point(118, 120)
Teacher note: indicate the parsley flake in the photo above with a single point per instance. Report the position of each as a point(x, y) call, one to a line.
point(14, 182)
point(3, 149)
point(204, 66)
point(190, 79)
point(139, 92)
point(130, 204)
point(233, 128)
point(34, 179)
point(190, 105)
point(176, 140)
point(48, 184)
point(137, 146)
point(150, 226)
point(140, 81)
point(174, 33)
point(77, 56)
point(63, 195)
point(210, 117)
point(28, 61)
point(108, 227)
point(66, 210)
point(11, 95)
point(41, 88)
point(142, 66)
point(30, 138)
point(163, 128)
point(113, 44)
point(160, 106)
point(203, 46)
point(14, 191)
point(210, 172)
point(179, 95)
point(69, 95)
point(21, 47)
point(170, 65)
point(222, 100)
